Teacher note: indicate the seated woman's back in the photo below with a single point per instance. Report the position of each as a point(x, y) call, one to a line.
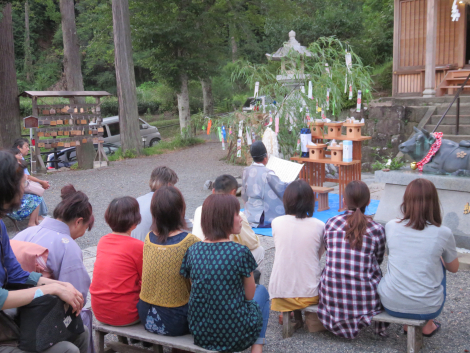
point(163, 304)
point(414, 270)
point(117, 275)
point(355, 247)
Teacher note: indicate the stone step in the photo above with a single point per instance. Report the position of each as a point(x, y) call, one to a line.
point(464, 109)
point(456, 138)
point(450, 129)
point(450, 119)
point(464, 259)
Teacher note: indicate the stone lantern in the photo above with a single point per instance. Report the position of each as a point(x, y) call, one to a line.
point(285, 55)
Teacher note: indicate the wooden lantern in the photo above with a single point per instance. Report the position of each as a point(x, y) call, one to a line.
point(334, 130)
point(317, 128)
point(336, 153)
point(316, 152)
point(353, 130)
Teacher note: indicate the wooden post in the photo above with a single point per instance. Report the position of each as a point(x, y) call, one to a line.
point(414, 339)
point(431, 42)
point(396, 46)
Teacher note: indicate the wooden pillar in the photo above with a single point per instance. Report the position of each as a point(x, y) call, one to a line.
point(396, 46)
point(431, 42)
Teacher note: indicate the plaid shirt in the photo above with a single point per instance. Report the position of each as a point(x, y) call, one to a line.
point(348, 285)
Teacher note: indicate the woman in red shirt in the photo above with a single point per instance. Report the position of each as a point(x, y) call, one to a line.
point(117, 276)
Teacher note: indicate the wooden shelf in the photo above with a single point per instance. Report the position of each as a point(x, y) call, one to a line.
point(324, 161)
point(343, 137)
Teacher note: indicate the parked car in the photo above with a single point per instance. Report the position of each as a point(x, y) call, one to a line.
point(261, 102)
point(112, 133)
point(68, 156)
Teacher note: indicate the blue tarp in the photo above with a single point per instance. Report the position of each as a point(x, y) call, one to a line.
point(323, 216)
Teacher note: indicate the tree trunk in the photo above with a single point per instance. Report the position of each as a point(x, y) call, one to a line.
point(125, 77)
point(72, 66)
point(234, 49)
point(10, 125)
point(183, 107)
point(207, 95)
point(73, 72)
point(28, 60)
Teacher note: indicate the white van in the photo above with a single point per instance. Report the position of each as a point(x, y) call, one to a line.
point(112, 133)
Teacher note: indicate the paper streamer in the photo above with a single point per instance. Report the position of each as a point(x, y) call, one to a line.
point(302, 89)
point(270, 119)
point(248, 138)
point(223, 144)
point(350, 92)
point(253, 136)
point(256, 89)
point(230, 130)
point(359, 101)
point(307, 115)
point(240, 129)
point(323, 116)
point(239, 148)
point(310, 90)
point(348, 61)
point(276, 121)
point(224, 133)
point(327, 99)
point(346, 84)
point(209, 126)
point(219, 132)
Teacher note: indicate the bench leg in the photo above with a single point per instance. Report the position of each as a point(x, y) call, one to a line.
point(157, 348)
point(99, 341)
point(323, 202)
point(415, 339)
point(287, 328)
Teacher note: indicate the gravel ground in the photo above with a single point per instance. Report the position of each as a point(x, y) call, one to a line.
point(196, 165)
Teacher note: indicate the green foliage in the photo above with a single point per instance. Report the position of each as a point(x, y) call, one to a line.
point(382, 76)
point(392, 163)
point(162, 147)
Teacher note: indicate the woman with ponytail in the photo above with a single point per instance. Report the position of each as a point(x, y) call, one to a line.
point(73, 216)
point(355, 247)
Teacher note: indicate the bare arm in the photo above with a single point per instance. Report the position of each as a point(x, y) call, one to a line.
point(452, 266)
point(44, 184)
point(250, 286)
point(23, 297)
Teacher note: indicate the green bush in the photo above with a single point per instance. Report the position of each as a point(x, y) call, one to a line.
point(111, 108)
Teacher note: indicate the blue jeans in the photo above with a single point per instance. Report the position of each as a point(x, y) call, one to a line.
point(43, 208)
point(422, 316)
point(262, 298)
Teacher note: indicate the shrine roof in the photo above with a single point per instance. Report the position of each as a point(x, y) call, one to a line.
point(65, 94)
point(290, 47)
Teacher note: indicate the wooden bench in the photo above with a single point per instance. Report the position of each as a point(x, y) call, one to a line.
point(138, 332)
point(322, 197)
point(415, 327)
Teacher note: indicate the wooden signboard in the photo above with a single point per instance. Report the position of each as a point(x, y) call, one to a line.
point(30, 122)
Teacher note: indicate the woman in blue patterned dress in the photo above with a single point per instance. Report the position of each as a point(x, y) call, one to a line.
point(227, 310)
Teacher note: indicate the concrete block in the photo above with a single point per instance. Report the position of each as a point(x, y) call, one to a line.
point(454, 194)
point(464, 260)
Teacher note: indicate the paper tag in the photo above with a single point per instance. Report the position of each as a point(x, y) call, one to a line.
point(223, 144)
point(248, 137)
point(52, 111)
point(359, 101)
point(60, 133)
point(327, 99)
point(60, 122)
point(240, 129)
point(209, 126)
point(239, 148)
point(348, 61)
point(350, 92)
point(253, 137)
point(276, 125)
point(53, 123)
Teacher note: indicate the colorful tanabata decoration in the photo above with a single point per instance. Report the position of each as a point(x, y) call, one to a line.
point(209, 124)
point(307, 115)
point(350, 92)
point(239, 148)
point(359, 101)
point(240, 129)
point(276, 126)
point(224, 137)
point(219, 133)
point(253, 135)
point(270, 118)
point(455, 14)
point(310, 90)
point(271, 142)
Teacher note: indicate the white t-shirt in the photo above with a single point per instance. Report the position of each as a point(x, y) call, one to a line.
point(412, 284)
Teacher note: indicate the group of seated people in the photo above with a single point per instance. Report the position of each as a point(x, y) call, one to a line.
point(32, 206)
point(209, 282)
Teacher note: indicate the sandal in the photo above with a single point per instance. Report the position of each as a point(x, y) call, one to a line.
point(438, 326)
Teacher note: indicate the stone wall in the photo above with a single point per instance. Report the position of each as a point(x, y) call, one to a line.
point(389, 125)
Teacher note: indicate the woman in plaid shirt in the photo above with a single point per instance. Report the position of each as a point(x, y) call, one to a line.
point(355, 247)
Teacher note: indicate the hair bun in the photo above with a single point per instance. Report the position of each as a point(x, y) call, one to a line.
point(67, 191)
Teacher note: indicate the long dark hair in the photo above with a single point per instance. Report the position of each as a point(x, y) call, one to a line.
point(74, 205)
point(356, 197)
point(421, 205)
point(11, 175)
point(299, 199)
point(168, 209)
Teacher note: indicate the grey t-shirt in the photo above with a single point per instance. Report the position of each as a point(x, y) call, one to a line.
point(412, 284)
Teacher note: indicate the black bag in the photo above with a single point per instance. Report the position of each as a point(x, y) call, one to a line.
point(45, 321)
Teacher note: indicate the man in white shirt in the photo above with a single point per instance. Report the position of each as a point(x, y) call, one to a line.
point(227, 184)
point(161, 176)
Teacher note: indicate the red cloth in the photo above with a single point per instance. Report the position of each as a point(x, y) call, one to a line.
point(117, 279)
